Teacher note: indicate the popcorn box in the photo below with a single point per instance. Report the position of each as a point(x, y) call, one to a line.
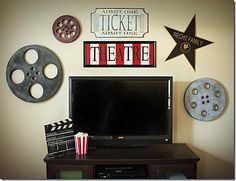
point(81, 143)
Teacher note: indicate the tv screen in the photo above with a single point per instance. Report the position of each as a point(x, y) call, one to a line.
point(122, 109)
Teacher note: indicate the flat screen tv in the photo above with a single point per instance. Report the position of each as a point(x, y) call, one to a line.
point(122, 110)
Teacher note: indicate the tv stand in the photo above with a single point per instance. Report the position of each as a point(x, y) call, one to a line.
point(156, 161)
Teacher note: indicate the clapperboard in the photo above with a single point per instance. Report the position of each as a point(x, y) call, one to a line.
point(60, 137)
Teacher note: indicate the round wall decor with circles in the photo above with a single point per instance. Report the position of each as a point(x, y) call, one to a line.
point(34, 73)
point(66, 29)
point(205, 99)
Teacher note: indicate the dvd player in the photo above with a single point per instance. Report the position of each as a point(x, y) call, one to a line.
point(121, 171)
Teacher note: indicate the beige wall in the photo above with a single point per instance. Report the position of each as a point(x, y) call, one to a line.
point(26, 22)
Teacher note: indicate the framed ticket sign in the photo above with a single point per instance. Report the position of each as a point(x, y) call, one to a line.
point(119, 54)
point(119, 22)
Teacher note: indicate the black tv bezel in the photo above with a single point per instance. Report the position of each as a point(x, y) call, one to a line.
point(95, 140)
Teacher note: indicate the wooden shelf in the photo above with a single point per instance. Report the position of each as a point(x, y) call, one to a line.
point(159, 159)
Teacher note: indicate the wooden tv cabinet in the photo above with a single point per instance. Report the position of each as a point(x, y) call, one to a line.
point(159, 160)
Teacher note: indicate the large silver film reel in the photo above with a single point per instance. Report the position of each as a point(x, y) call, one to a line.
point(205, 99)
point(34, 73)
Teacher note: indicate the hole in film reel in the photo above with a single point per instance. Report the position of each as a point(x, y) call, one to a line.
point(17, 76)
point(36, 91)
point(36, 86)
point(31, 56)
point(50, 71)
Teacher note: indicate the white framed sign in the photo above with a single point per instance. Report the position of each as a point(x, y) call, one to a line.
point(119, 22)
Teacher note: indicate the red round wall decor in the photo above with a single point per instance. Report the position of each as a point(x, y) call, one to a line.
point(66, 29)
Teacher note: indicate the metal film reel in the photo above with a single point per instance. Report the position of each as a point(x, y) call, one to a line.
point(66, 29)
point(205, 99)
point(34, 73)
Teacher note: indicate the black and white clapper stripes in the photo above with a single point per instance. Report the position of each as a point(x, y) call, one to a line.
point(60, 136)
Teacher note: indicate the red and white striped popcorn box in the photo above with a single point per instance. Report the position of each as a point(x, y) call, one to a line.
point(81, 143)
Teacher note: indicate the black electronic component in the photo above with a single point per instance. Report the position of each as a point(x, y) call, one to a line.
point(121, 171)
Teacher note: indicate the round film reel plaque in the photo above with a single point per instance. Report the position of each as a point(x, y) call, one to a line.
point(66, 29)
point(205, 99)
point(33, 74)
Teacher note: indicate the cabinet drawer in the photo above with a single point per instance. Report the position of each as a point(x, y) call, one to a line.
point(71, 172)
